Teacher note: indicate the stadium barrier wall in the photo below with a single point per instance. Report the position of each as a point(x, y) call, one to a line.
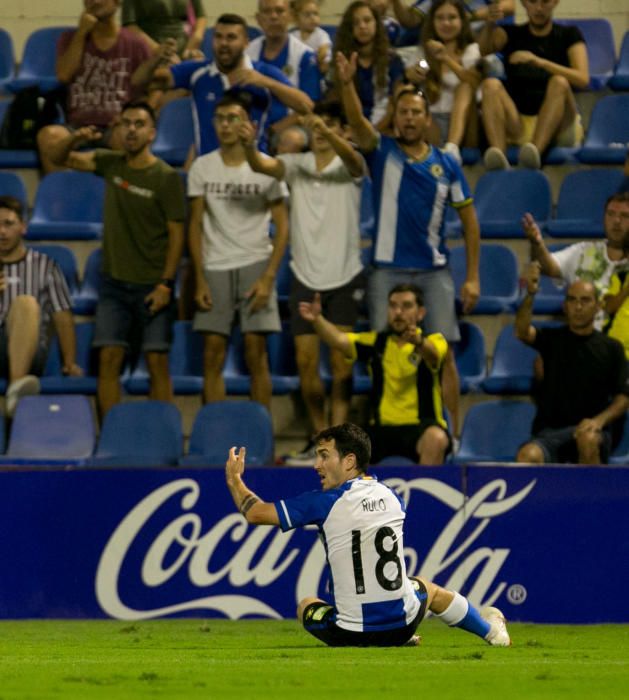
point(544, 545)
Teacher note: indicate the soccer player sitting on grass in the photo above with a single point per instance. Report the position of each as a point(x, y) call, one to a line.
point(374, 602)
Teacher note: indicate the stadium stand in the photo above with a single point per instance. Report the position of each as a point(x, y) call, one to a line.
point(53, 381)
point(470, 357)
point(68, 206)
point(51, 429)
point(175, 132)
point(7, 59)
point(37, 66)
point(499, 279)
point(493, 431)
point(581, 203)
point(220, 425)
point(608, 133)
point(84, 302)
point(281, 349)
point(599, 40)
point(620, 79)
point(12, 185)
point(140, 434)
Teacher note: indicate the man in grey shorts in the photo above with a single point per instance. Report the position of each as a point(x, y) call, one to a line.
point(235, 261)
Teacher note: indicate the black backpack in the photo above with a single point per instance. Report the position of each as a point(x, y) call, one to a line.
point(29, 111)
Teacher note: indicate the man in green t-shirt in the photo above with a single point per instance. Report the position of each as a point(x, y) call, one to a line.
point(142, 244)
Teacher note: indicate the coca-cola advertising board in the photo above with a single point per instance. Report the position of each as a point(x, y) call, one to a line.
point(540, 543)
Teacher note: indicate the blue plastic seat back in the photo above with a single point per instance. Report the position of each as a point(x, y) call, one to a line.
point(620, 79)
point(66, 260)
point(503, 197)
point(68, 204)
point(7, 58)
point(52, 428)
point(282, 361)
point(54, 382)
point(175, 131)
point(493, 431)
point(621, 454)
point(87, 296)
point(600, 45)
point(470, 356)
point(142, 433)
point(581, 203)
point(220, 425)
point(39, 59)
point(12, 185)
point(608, 132)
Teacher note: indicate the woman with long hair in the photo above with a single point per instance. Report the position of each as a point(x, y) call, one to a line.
point(361, 31)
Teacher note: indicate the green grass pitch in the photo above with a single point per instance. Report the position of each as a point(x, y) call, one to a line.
point(259, 659)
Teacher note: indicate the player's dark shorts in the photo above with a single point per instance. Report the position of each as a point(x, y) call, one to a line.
point(339, 306)
point(399, 440)
point(559, 446)
point(320, 621)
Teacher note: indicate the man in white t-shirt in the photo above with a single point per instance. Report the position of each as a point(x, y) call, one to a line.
point(325, 186)
point(593, 261)
point(235, 261)
point(373, 600)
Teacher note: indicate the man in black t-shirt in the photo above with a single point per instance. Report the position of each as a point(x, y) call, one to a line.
point(535, 107)
point(583, 391)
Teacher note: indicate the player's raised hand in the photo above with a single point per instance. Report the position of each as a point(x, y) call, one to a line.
point(436, 48)
point(346, 69)
point(311, 310)
point(87, 22)
point(532, 275)
point(531, 229)
point(313, 122)
point(247, 134)
point(86, 134)
point(235, 465)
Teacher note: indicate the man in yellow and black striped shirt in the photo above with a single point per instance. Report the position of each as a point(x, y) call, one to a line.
point(406, 399)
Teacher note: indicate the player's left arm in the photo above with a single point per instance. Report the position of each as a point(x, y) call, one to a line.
point(470, 291)
point(577, 72)
point(255, 510)
point(163, 291)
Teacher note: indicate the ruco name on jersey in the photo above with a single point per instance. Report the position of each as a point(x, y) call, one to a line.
point(370, 505)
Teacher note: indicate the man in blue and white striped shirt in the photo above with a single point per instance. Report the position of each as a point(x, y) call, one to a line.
point(360, 521)
point(33, 291)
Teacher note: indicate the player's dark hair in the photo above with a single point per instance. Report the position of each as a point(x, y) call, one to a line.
point(13, 204)
point(349, 439)
point(330, 108)
point(231, 18)
point(408, 287)
point(410, 89)
point(235, 97)
point(617, 197)
point(144, 106)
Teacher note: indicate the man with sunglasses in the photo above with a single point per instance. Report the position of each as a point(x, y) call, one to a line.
point(412, 184)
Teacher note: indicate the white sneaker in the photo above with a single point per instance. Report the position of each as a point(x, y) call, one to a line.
point(414, 641)
point(454, 151)
point(529, 157)
point(305, 458)
point(27, 385)
point(495, 159)
point(497, 635)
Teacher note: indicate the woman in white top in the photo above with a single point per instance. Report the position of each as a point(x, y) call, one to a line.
point(451, 78)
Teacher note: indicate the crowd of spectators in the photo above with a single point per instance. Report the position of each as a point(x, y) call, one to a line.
point(288, 127)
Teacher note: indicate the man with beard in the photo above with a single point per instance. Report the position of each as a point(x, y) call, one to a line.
point(582, 396)
point(593, 261)
point(412, 184)
point(231, 70)
point(405, 367)
point(142, 244)
point(33, 292)
point(100, 63)
point(535, 106)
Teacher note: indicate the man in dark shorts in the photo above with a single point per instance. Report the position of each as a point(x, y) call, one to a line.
point(142, 245)
point(374, 602)
point(408, 416)
point(582, 394)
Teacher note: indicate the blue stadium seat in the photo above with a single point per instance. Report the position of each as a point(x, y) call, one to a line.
point(68, 205)
point(599, 41)
point(581, 203)
point(7, 59)
point(51, 429)
point(621, 454)
point(140, 434)
point(331, 29)
point(175, 132)
point(608, 133)
point(85, 301)
point(281, 349)
point(493, 431)
point(620, 79)
point(206, 44)
point(470, 357)
point(220, 425)
point(66, 260)
point(39, 58)
point(498, 277)
point(12, 185)
point(361, 379)
point(14, 158)
point(549, 299)
point(54, 382)
point(502, 197)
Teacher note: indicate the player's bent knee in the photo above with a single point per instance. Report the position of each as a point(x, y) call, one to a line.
point(491, 87)
point(303, 604)
point(530, 454)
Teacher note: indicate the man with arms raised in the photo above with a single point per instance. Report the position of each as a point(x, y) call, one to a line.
point(374, 602)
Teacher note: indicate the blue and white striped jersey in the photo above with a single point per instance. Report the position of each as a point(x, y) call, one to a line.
point(410, 198)
point(360, 524)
